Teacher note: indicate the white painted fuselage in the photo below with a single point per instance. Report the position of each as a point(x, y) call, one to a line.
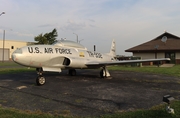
point(67, 55)
point(57, 57)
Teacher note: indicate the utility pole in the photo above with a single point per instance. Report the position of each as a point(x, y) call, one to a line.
point(3, 45)
point(3, 40)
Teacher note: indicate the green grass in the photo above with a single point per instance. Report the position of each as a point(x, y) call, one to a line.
point(172, 71)
point(8, 63)
point(13, 113)
point(15, 70)
point(154, 112)
point(11, 67)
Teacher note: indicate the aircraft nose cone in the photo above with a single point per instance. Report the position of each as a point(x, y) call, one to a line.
point(15, 54)
point(14, 57)
point(21, 57)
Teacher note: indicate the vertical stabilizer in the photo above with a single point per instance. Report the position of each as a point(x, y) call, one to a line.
point(113, 48)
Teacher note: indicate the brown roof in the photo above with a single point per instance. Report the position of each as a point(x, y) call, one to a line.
point(164, 42)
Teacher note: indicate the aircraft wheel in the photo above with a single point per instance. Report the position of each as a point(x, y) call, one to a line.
point(102, 73)
point(40, 80)
point(72, 72)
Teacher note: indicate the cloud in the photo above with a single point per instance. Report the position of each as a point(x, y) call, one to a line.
point(48, 25)
point(93, 20)
point(23, 34)
point(73, 25)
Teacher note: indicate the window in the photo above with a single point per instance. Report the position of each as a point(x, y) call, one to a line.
point(171, 55)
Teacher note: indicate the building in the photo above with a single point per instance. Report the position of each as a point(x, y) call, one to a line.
point(164, 46)
point(7, 47)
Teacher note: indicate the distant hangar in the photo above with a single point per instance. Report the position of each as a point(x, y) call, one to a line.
point(8, 46)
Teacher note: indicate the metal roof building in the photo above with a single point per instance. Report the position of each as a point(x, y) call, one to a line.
point(7, 47)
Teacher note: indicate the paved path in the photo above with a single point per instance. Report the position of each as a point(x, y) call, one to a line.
point(86, 94)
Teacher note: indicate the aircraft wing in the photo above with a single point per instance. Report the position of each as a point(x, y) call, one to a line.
point(125, 62)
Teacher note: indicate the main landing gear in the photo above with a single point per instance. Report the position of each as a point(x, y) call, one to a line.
point(40, 80)
point(104, 73)
point(72, 72)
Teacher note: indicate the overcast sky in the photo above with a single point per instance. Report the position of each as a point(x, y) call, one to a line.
point(96, 22)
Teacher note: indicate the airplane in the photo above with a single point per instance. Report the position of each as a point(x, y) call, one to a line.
point(66, 54)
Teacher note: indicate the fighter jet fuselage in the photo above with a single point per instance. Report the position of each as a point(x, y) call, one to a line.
point(68, 55)
point(52, 56)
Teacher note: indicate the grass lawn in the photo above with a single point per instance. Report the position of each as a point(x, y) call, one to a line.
point(11, 67)
point(154, 112)
point(172, 71)
point(8, 63)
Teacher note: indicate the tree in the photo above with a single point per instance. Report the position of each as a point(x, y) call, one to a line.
point(47, 38)
point(40, 39)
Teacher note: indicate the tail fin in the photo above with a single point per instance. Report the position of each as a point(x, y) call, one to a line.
point(113, 48)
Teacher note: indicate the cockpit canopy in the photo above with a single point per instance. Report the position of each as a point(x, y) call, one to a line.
point(68, 43)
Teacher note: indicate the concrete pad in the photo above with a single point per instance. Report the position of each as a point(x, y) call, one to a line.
point(86, 94)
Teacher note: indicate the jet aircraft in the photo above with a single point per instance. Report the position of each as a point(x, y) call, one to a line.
point(65, 54)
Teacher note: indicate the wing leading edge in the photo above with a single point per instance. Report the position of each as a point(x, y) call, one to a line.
point(124, 62)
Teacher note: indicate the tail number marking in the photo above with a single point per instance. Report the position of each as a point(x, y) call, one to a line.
point(95, 55)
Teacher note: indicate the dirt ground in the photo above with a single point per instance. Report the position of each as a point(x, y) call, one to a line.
point(86, 94)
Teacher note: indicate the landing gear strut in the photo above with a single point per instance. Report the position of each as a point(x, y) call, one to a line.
point(72, 72)
point(104, 73)
point(40, 80)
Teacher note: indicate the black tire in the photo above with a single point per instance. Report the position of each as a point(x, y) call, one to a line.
point(101, 73)
point(40, 80)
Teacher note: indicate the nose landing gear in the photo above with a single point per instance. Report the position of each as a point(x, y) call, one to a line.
point(40, 80)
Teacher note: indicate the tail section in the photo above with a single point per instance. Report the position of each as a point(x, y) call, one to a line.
point(113, 48)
